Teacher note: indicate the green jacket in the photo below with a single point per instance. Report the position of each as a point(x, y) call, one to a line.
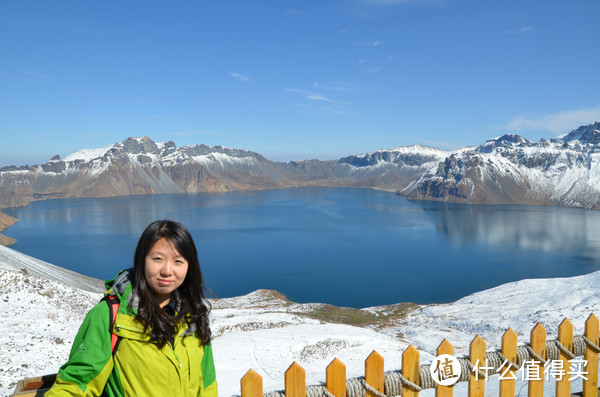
point(139, 368)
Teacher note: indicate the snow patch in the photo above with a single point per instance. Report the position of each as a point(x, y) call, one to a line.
point(88, 154)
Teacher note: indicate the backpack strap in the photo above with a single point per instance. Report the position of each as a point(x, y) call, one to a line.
point(113, 307)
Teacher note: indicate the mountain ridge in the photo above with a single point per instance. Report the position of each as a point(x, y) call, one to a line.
point(509, 169)
point(513, 170)
point(141, 166)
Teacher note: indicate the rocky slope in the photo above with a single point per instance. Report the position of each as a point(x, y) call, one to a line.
point(5, 222)
point(511, 169)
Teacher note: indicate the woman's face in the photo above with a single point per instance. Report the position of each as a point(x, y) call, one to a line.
point(165, 270)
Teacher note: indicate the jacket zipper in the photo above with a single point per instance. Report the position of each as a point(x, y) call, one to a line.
point(175, 340)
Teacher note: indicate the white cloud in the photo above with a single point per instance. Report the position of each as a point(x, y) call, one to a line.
point(558, 123)
point(522, 30)
point(322, 102)
point(313, 96)
point(298, 91)
point(376, 43)
point(374, 70)
point(240, 76)
point(324, 99)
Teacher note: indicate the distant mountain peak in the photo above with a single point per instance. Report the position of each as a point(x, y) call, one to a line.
point(512, 138)
point(502, 141)
point(139, 145)
point(416, 149)
point(584, 134)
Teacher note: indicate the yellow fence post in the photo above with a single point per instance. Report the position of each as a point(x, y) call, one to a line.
point(565, 338)
point(444, 348)
point(590, 386)
point(336, 378)
point(252, 384)
point(507, 374)
point(534, 370)
point(477, 358)
point(538, 344)
point(411, 370)
point(295, 381)
point(374, 375)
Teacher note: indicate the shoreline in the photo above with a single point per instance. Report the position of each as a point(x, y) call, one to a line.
point(6, 221)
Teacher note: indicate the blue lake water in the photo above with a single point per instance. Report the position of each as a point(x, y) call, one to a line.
point(348, 247)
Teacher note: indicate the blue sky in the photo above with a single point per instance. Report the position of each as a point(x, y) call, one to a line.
point(293, 79)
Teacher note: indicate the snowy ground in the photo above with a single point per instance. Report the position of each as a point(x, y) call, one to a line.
point(39, 316)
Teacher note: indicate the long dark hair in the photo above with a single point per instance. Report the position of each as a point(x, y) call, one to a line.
point(192, 306)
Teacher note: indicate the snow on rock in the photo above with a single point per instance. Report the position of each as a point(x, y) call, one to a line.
point(515, 170)
point(313, 345)
point(265, 333)
point(14, 260)
point(39, 318)
point(88, 154)
point(518, 305)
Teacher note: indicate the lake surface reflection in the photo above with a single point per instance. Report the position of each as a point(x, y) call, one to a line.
point(348, 247)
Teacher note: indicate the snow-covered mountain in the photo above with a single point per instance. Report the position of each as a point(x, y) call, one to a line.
point(264, 331)
point(509, 169)
point(141, 166)
point(134, 166)
point(389, 169)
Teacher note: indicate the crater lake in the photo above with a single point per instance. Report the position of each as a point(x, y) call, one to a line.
point(343, 246)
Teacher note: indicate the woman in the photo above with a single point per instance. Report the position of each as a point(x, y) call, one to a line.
point(162, 327)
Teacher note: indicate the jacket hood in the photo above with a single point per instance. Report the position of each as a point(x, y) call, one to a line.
point(122, 287)
point(117, 285)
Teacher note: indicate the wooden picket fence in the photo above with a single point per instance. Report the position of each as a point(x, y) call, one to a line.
point(376, 382)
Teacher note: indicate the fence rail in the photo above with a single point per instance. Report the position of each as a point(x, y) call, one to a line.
point(540, 357)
